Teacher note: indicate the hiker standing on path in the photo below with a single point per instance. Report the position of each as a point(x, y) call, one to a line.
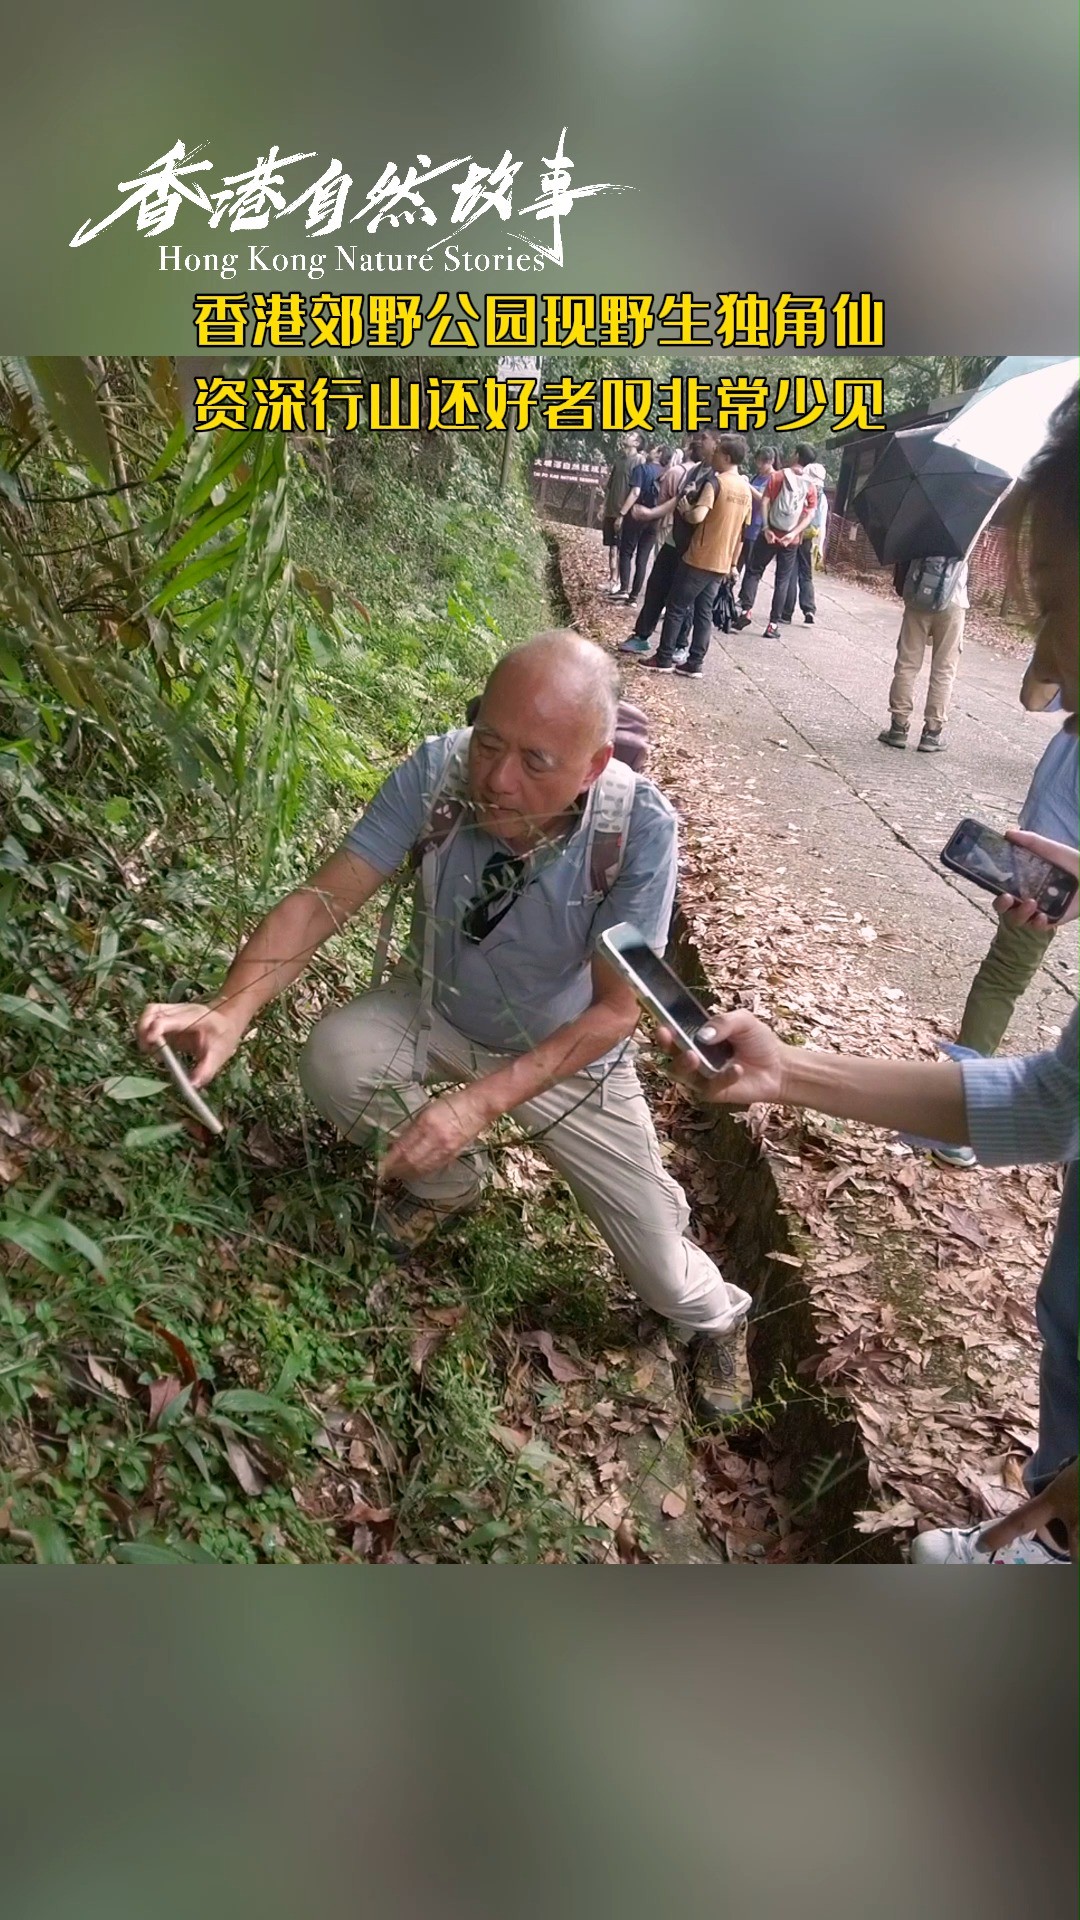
point(528, 841)
point(935, 604)
point(764, 468)
point(627, 453)
point(812, 543)
point(637, 535)
point(693, 477)
point(789, 503)
point(720, 519)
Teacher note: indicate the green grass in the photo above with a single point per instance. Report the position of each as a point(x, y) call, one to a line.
point(134, 1252)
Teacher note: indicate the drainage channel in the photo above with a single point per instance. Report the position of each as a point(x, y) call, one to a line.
point(805, 1439)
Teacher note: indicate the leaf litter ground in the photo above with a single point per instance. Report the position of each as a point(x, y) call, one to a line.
point(922, 1279)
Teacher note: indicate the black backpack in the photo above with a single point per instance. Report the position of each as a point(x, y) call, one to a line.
point(650, 492)
point(725, 612)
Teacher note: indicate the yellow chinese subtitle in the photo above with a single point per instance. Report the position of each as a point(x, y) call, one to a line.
point(394, 321)
point(324, 403)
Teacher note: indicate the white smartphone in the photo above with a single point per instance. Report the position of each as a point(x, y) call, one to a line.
point(189, 1094)
point(661, 990)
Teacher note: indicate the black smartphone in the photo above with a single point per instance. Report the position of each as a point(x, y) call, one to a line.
point(661, 990)
point(992, 862)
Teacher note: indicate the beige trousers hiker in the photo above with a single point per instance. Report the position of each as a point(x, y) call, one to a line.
point(944, 633)
point(357, 1069)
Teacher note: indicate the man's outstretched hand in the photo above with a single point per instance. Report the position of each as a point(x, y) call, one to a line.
point(439, 1134)
point(210, 1034)
point(755, 1071)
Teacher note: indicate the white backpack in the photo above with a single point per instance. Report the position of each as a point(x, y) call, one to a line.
point(788, 508)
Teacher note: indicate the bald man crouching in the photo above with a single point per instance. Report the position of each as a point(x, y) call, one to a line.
point(501, 999)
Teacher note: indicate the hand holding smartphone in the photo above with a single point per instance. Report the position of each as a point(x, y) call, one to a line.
point(997, 865)
point(662, 992)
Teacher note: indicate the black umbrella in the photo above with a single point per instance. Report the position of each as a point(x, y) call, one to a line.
point(921, 497)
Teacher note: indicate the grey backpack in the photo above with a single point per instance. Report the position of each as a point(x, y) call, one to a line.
point(930, 582)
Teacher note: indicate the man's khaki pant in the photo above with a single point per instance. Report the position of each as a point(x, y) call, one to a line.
point(944, 633)
point(357, 1069)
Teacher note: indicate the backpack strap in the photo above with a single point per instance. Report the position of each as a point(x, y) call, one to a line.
point(611, 804)
point(446, 809)
point(610, 807)
point(449, 803)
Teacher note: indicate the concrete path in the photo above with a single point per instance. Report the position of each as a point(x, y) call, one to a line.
point(873, 820)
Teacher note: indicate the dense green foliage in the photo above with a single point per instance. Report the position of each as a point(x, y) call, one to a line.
point(205, 666)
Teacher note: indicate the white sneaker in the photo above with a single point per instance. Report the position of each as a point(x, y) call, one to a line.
point(959, 1547)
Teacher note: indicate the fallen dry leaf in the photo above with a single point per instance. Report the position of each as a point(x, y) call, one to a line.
point(838, 1180)
point(964, 1224)
point(673, 1504)
point(560, 1367)
point(854, 1263)
point(363, 1515)
point(610, 1513)
point(423, 1346)
point(104, 1377)
point(264, 1149)
point(627, 1543)
point(162, 1394)
point(244, 1466)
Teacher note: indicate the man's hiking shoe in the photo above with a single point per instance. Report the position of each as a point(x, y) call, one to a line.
point(719, 1375)
point(772, 631)
point(895, 734)
point(688, 672)
point(931, 741)
point(405, 1222)
point(808, 619)
point(741, 622)
point(661, 666)
point(635, 644)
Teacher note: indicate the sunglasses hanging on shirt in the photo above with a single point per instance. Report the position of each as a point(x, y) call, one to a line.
point(503, 879)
